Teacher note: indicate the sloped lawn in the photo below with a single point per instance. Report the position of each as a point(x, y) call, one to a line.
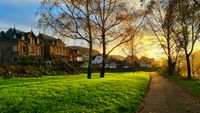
point(193, 86)
point(116, 93)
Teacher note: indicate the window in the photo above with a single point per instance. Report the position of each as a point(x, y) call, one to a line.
point(15, 37)
point(38, 51)
point(31, 50)
point(99, 58)
point(23, 38)
point(14, 48)
point(33, 41)
point(38, 41)
point(23, 49)
point(29, 41)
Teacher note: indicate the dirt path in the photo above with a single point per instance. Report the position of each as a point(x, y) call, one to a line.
point(166, 97)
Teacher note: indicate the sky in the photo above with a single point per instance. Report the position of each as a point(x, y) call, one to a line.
point(18, 13)
point(22, 15)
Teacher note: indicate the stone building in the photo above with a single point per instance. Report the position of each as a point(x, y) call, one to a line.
point(15, 44)
point(54, 49)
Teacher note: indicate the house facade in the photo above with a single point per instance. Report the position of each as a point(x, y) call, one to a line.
point(97, 60)
point(54, 49)
point(15, 44)
point(75, 56)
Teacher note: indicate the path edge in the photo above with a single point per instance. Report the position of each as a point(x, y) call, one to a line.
point(140, 107)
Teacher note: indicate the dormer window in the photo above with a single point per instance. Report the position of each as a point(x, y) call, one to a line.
point(23, 38)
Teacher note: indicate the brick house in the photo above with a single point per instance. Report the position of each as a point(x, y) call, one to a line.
point(15, 44)
point(54, 49)
point(75, 55)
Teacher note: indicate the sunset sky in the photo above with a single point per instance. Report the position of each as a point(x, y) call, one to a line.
point(21, 14)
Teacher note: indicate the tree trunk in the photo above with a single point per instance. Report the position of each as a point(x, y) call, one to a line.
point(90, 41)
point(132, 55)
point(193, 71)
point(133, 64)
point(178, 68)
point(90, 62)
point(170, 70)
point(104, 57)
point(188, 66)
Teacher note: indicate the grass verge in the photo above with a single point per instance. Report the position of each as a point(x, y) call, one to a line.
point(193, 86)
point(116, 93)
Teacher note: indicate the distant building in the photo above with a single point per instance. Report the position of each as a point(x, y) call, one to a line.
point(15, 44)
point(112, 65)
point(147, 62)
point(132, 61)
point(80, 54)
point(75, 56)
point(97, 60)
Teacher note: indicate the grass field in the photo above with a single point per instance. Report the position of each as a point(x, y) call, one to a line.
point(193, 86)
point(116, 93)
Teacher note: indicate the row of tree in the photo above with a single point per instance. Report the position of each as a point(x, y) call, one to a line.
point(176, 25)
point(106, 22)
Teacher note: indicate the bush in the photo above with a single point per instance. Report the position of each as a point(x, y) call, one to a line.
point(30, 63)
point(35, 69)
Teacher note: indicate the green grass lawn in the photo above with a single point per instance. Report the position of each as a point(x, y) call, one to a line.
point(193, 86)
point(116, 93)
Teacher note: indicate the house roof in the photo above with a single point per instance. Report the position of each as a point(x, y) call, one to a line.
point(9, 35)
point(116, 57)
point(93, 57)
point(48, 39)
point(83, 50)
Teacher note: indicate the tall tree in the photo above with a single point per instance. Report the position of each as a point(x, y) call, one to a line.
point(70, 19)
point(161, 22)
point(188, 28)
point(116, 23)
point(131, 49)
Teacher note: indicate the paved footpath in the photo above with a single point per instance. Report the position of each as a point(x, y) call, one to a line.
point(166, 97)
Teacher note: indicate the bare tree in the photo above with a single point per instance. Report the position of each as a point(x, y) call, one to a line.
point(188, 28)
point(117, 24)
point(131, 49)
point(161, 20)
point(70, 19)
